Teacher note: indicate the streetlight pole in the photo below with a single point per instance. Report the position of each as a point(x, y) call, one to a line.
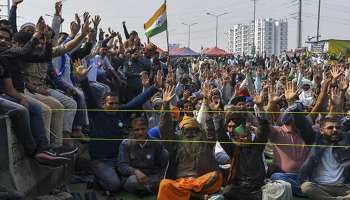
point(254, 17)
point(217, 25)
point(318, 21)
point(189, 32)
point(299, 36)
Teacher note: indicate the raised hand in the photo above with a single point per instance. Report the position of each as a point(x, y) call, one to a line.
point(120, 39)
point(168, 94)
point(290, 91)
point(158, 81)
point(16, 2)
point(112, 33)
point(86, 16)
point(101, 34)
point(273, 98)
point(336, 72)
point(206, 91)
point(96, 21)
point(58, 8)
point(40, 26)
point(77, 19)
point(343, 84)
point(85, 28)
point(336, 97)
point(145, 79)
point(80, 70)
point(258, 99)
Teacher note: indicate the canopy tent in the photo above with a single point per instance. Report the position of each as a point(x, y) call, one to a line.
point(215, 52)
point(159, 50)
point(185, 51)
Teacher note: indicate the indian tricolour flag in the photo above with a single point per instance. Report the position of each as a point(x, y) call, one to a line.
point(157, 23)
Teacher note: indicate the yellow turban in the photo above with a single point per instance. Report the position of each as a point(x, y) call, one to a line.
point(188, 122)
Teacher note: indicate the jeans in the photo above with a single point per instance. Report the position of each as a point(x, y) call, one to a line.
point(106, 175)
point(19, 116)
point(45, 109)
point(291, 178)
point(68, 104)
point(56, 117)
point(81, 117)
point(37, 125)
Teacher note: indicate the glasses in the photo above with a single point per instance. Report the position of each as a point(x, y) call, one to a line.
point(333, 127)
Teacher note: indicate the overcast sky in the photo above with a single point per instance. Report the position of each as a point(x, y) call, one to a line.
point(335, 17)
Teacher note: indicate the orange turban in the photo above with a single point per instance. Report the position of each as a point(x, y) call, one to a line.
point(188, 122)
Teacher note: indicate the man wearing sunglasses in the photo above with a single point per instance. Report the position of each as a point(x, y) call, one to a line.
point(326, 172)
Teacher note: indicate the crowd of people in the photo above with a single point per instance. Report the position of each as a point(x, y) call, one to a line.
point(178, 128)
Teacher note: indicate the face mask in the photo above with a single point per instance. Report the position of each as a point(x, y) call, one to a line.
point(240, 130)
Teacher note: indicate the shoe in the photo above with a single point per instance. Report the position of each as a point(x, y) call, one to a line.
point(66, 150)
point(50, 157)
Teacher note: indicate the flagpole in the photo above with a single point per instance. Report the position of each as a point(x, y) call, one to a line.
point(167, 32)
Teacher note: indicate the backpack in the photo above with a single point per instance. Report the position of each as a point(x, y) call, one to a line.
point(277, 190)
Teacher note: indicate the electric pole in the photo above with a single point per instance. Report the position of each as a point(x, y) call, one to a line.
point(189, 32)
point(299, 35)
point(318, 21)
point(254, 17)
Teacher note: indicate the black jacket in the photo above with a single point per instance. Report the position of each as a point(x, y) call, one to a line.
point(251, 168)
point(13, 59)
